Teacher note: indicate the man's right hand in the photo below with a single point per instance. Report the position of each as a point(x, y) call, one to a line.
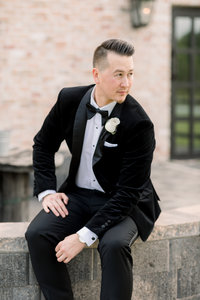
point(56, 203)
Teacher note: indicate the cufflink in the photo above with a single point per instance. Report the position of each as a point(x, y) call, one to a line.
point(93, 238)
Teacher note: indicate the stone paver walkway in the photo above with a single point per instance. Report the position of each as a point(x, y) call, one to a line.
point(178, 185)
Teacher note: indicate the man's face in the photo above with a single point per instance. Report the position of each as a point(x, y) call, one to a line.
point(114, 81)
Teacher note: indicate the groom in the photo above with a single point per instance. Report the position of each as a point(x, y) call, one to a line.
point(108, 194)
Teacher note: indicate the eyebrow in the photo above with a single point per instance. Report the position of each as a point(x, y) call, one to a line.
point(118, 70)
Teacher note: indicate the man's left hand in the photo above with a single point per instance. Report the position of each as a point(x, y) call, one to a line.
point(69, 248)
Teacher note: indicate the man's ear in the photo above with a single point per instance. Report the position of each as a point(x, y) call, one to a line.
point(95, 73)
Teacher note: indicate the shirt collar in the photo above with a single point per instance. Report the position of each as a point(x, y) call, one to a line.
point(109, 107)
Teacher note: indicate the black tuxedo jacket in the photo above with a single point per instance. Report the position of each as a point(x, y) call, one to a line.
point(122, 171)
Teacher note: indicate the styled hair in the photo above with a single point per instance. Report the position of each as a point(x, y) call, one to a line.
point(113, 45)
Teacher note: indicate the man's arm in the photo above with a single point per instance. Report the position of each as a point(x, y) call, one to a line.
point(46, 144)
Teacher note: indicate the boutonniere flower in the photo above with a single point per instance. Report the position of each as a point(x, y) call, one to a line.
point(111, 125)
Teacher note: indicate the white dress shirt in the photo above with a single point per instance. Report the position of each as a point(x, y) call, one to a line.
point(85, 177)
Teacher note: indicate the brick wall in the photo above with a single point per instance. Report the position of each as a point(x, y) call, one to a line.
point(45, 45)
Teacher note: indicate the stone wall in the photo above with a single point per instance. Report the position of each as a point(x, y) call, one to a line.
point(166, 267)
point(45, 45)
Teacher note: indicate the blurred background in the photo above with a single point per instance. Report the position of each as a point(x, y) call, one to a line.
point(46, 45)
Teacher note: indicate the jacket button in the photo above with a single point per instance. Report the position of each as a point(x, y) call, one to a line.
point(109, 221)
point(103, 226)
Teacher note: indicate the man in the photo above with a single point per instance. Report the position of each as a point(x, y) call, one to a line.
point(108, 194)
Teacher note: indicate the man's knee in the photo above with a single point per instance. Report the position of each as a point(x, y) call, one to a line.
point(32, 234)
point(113, 244)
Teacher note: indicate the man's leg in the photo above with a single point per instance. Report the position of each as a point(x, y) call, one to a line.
point(116, 260)
point(43, 234)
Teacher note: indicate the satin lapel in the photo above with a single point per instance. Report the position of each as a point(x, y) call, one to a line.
point(78, 132)
point(105, 134)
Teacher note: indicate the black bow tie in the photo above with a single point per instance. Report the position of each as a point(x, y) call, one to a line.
point(91, 111)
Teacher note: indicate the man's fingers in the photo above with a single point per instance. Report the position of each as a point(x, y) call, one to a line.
point(57, 247)
point(65, 198)
point(60, 253)
point(67, 260)
point(58, 208)
point(57, 211)
point(53, 209)
point(56, 203)
point(45, 208)
point(62, 207)
point(61, 257)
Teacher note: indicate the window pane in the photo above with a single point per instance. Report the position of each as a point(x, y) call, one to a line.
point(196, 108)
point(183, 27)
point(197, 67)
point(196, 128)
point(197, 32)
point(182, 67)
point(182, 127)
point(182, 102)
point(182, 145)
point(197, 145)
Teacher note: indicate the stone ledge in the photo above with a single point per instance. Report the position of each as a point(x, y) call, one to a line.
point(170, 225)
point(165, 267)
point(22, 161)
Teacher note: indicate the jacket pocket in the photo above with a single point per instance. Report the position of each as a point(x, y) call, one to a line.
point(110, 145)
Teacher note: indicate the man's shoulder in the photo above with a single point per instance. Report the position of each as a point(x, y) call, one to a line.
point(68, 93)
point(134, 111)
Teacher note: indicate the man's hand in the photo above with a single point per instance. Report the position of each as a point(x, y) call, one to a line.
point(69, 248)
point(56, 203)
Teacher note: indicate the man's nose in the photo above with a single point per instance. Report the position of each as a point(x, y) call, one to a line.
point(125, 81)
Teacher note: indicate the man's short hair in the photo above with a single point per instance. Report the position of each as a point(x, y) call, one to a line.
point(112, 45)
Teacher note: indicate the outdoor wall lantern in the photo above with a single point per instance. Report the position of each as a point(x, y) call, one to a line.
point(141, 11)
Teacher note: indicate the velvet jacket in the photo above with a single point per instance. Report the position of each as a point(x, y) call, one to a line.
point(122, 171)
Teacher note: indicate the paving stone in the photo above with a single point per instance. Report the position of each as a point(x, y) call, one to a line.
point(26, 293)
point(185, 252)
point(150, 257)
point(32, 278)
point(197, 297)
point(14, 269)
point(6, 294)
point(96, 265)
point(12, 236)
point(154, 286)
point(188, 282)
point(86, 290)
point(80, 268)
point(185, 261)
point(13, 244)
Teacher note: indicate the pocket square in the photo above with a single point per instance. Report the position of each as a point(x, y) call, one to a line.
point(106, 144)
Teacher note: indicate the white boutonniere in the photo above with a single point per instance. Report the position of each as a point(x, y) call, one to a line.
point(111, 125)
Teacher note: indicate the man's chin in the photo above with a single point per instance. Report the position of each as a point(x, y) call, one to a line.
point(121, 99)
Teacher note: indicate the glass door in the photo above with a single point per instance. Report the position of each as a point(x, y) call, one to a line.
point(185, 118)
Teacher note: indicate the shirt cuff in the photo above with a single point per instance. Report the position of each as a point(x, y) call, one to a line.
point(45, 193)
point(87, 236)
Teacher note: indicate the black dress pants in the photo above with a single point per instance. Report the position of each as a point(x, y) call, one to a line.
point(47, 230)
